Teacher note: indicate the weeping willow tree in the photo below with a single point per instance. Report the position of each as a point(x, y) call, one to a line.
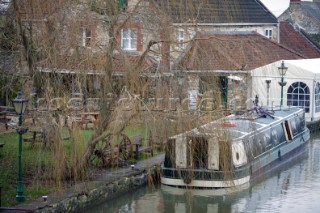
point(87, 48)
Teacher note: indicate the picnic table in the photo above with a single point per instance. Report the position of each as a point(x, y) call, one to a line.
point(87, 117)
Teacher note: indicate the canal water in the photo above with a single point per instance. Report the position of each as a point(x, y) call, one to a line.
point(294, 187)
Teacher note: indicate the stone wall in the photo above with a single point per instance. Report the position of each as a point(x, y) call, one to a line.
point(85, 199)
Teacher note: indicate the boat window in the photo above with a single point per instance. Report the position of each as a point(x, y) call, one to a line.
point(263, 142)
point(280, 133)
point(317, 97)
point(268, 142)
point(274, 137)
point(302, 120)
point(249, 147)
point(298, 123)
point(239, 155)
point(256, 146)
point(293, 127)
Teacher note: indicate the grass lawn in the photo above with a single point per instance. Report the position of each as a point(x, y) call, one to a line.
point(9, 168)
point(34, 161)
point(39, 160)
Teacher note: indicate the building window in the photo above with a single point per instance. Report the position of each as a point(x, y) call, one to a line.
point(86, 37)
point(180, 38)
point(122, 4)
point(299, 95)
point(129, 39)
point(268, 33)
point(317, 97)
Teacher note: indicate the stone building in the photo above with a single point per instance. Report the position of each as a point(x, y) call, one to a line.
point(303, 15)
point(76, 38)
point(224, 68)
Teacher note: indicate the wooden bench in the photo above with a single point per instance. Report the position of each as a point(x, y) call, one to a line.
point(4, 119)
point(38, 136)
point(137, 142)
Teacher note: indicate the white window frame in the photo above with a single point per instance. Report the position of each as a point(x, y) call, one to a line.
point(180, 38)
point(86, 37)
point(298, 94)
point(268, 33)
point(132, 37)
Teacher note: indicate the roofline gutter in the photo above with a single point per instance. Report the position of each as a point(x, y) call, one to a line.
point(93, 72)
point(279, 32)
point(305, 34)
point(226, 72)
point(222, 24)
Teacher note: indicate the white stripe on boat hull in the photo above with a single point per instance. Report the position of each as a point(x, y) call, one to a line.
point(205, 183)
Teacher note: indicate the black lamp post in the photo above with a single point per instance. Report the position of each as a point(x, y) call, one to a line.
point(282, 71)
point(268, 81)
point(20, 105)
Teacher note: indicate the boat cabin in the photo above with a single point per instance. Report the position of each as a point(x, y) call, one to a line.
point(234, 143)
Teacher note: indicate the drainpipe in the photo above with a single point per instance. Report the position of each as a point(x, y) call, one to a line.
point(313, 99)
point(279, 33)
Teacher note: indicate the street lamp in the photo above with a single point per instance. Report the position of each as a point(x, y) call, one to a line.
point(282, 71)
point(20, 105)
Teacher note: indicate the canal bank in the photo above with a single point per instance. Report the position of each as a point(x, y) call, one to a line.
point(109, 184)
point(293, 187)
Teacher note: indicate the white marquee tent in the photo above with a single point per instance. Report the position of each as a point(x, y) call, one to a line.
point(302, 88)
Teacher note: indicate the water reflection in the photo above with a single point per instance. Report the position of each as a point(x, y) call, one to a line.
point(293, 188)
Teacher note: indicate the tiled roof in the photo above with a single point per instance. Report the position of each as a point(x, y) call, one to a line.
point(245, 51)
point(313, 8)
point(39, 9)
point(297, 42)
point(125, 63)
point(217, 11)
point(8, 62)
point(121, 63)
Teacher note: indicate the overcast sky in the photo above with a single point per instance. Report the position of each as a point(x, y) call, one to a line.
point(277, 7)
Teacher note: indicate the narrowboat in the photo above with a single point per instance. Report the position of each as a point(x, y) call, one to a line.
point(233, 150)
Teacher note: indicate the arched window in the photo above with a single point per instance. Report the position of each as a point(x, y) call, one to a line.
point(317, 97)
point(299, 95)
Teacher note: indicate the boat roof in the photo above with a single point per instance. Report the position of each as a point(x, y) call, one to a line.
point(237, 126)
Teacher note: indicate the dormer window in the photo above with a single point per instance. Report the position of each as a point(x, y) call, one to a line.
point(180, 38)
point(129, 39)
point(86, 37)
point(268, 33)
